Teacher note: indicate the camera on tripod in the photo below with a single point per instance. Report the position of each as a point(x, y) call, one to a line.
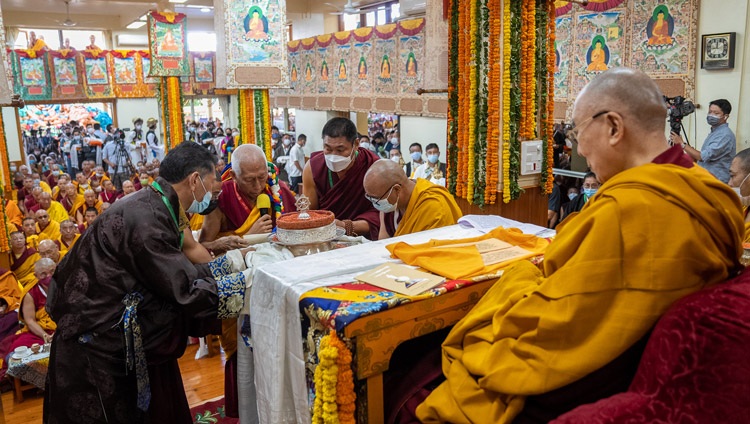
point(678, 108)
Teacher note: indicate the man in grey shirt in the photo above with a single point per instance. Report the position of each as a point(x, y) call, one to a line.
point(719, 147)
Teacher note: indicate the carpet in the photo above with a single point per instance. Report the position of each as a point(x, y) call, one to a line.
point(211, 412)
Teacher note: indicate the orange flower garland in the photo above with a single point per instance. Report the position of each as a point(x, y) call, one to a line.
point(493, 108)
point(174, 105)
point(470, 171)
point(7, 178)
point(530, 95)
point(334, 383)
point(266, 124)
point(463, 113)
point(247, 117)
point(506, 101)
point(550, 94)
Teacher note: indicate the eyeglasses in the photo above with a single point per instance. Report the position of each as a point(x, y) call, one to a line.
point(572, 132)
point(375, 201)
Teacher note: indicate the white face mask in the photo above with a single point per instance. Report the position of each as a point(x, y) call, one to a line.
point(235, 134)
point(394, 142)
point(738, 189)
point(286, 141)
point(337, 163)
point(396, 159)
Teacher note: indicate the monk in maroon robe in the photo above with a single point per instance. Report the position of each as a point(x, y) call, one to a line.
point(332, 179)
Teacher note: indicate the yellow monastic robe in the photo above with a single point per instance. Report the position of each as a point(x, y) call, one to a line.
point(45, 187)
point(746, 238)
point(79, 200)
point(32, 241)
point(25, 271)
point(66, 248)
point(50, 232)
point(651, 235)
point(196, 222)
point(245, 228)
point(14, 214)
point(10, 290)
point(430, 206)
point(57, 212)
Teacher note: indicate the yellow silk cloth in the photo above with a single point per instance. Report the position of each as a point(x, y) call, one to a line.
point(245, 227)
point(651, 235)
point(79, 200)
point(430, 206)
point(10, 291)
point(25, 272)
point(57, 212)
point(50, 232)
point(14, 214)
point(64, 249)
point(464, 262)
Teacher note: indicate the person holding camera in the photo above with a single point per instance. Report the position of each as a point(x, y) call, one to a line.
point(719, 147)
point(117, 157)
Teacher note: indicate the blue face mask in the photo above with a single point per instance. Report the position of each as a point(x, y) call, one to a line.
point(572, 196)
point(416, 156)
point(589, 192)
point(198, 207)
point(433, 158)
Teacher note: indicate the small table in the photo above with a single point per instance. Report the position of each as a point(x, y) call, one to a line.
point(28, 373)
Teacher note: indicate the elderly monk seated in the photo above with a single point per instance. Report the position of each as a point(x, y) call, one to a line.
point(89, 201)
point(49, 249)
point(407, 206)
point(68, 236)
point(10, 297)
point(31, 232)
point(332, 179)
point(55, 210)
point(32, 202)
point(22, 259)
point(739, 170)
point(71, 200)
point(38, 327)
point(658, 229)
point(48, 229)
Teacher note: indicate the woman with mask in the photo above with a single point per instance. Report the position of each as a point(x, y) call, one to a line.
point(332, 179)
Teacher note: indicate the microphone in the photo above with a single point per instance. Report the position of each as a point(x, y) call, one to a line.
point(263, 203)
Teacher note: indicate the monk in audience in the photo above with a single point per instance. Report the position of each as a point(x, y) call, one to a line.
point(89, 217)
point(49, 249)
point(57, 192)
point(127, 187)
point(38, 327)
point(89, 201)
point(72, 200)
point(109, 194)
point(659, 228)
point(332, 179)
point(68, 236)
point(22, 259)
point(10, 297)
point(55, 210)
point(13, 212)
point(31, 232)
point(32, 202)
point(407, 206)
point(48, 229)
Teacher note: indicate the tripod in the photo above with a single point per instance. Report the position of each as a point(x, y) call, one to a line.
point(122, 157)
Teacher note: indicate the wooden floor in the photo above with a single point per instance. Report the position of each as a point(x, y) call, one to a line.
point(203, 380)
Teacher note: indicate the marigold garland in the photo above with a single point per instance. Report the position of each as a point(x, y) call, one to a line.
point(550, 95)
point(7, 178)
point(174, 111)
point(266, 111)
point(506, 100)
point(334, 383)
point(247, 116)
point(493, 107)
point(530, 95)
point(452, 139)
point(473, 61)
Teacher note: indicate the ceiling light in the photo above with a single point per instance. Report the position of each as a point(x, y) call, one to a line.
point(136, 25)
point(144, 17)
point(177, 1)
point(205, 9)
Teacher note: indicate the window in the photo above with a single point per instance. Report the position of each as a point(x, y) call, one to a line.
point(201, 41)
point(351, 22)
point(50, 36)
point(80, 39)
point(384, 13)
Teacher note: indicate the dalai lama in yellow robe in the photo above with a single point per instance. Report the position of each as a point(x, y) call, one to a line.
point(658, 229)
point(407, 206)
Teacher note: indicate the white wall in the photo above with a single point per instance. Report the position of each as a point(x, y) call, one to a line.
point(422, 130)
point(731, 84)
point(310, 123)
point(11, 134)
point(129, 109)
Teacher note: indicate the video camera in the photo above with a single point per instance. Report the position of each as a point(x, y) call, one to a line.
point(678, 108)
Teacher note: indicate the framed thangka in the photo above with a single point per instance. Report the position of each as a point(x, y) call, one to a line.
point(124, 70)
point(327, 63)
point(563, 35)
point(718, 51)
point(387, 59)
point(411, 55)
point(295, 72)
point(167, 39)
point(362, 56)
point(203, 67)
point(663, 37)
point(146, 69)
point(254, 41)
point(344, 74)
point(599, 45)
point(31, 75)
point(95, 71)
point(66, 78)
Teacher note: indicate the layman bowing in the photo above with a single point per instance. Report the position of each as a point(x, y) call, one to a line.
point(332, 179)
point(407, 206)
point(658, 229)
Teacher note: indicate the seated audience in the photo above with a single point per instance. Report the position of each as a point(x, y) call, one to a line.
point(48, 229)
point(588, 189)
point(49, 249)
point(432, 170)
point(10, 297)
point(31, 232)
point(68, 236)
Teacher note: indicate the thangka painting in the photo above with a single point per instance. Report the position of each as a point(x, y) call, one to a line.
point(255, 43)
point(309, 74)
point(386, 66)
point(66, 77)
point(96, 71)
point(344, 68)
point(124, 70)
point(324, 56)
point(410, 61)
point(563, 35)
point(33, 72)
point(599, 44)
point(31, 75)
point(362, 55)
point(127, 75)
point(167, 38)
point(146, 71)
point(662, 39)
point(203, 68)
point(294, 70)
point(563, 7)
point(66, 71)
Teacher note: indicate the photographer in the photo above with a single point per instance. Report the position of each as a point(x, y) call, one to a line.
point(117, 156)
point(719, 147)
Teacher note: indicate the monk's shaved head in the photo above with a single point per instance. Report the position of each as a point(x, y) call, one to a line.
point(629, 92)
point(743, 160)
point(248, 157)
point(382, 175)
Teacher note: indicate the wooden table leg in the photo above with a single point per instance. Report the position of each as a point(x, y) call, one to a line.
point(17, 389)
point(375, 407)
